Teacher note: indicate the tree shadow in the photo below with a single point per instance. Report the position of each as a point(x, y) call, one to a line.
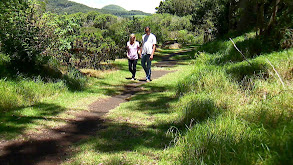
point(244, 69)
point(105, 88)
point(250, 48)
point(186, 55)
point(52, 146)
point(14, 123)
point(127, 137)
point(153, 101)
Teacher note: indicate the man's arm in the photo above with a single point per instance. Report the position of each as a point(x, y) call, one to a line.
point(154, 40)
point(153, 52)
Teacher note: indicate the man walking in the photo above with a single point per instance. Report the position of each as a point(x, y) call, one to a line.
point(147, 50)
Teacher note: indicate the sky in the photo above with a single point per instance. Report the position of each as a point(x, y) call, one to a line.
point(147, 6)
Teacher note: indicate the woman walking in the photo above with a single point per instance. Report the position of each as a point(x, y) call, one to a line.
point(132, 54)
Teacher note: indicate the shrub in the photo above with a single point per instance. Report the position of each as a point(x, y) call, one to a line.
point(22, 35)
point(287, 38)
point(75, 80)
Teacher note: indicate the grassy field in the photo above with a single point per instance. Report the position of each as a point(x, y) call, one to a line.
point(210, 111)
point(215, 108)
point(240, 110)
point(30, 104)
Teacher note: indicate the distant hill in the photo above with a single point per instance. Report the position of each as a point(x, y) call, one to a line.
point(114, 7)
point(69, 7)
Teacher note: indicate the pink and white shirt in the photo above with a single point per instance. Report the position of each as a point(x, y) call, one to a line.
point(132, 50)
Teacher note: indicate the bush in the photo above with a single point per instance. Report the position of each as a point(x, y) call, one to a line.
point(22, 35)
point(287, 39)
point(75, 80)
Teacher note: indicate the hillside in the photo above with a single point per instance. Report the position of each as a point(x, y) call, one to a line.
point(65, 6)
point(113, 7)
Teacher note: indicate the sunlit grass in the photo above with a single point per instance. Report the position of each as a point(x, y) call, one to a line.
point(137, 131)
point(212, 110)
point(28, 104)
point(201, 114)
point(236, 111)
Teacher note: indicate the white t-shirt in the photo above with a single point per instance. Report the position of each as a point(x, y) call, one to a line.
point(132, 51)
point(147, 43)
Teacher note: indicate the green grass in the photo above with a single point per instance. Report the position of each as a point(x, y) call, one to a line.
point(26, 92)
point(217, 108)
point(205, 113)
point(223, 141)
point(137, 130)
point(29, 104)
point(237, 112)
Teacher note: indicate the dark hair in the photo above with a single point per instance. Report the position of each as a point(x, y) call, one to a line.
point(147, 27)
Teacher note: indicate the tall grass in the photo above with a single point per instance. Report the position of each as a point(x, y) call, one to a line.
point(241, 111)
point(25, 92)
point(223, 141)
point(4, 59)
point(75, 80)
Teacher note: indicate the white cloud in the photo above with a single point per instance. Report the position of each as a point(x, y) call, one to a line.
point(143, 5)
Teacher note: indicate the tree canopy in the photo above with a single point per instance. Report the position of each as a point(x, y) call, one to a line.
point(263, 16)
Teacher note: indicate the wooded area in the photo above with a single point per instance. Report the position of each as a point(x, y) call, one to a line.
point(31, 36)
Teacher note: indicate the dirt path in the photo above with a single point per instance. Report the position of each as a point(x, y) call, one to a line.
point(52, 146)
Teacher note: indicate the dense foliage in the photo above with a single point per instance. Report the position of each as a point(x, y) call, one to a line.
point(22, 35)
point(267, 18)
point(32, 37)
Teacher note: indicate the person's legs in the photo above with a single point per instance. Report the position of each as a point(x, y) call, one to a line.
point(143, 63)
point(134, 68)
point(149, 64)
point(146, 64)
point(130, 63)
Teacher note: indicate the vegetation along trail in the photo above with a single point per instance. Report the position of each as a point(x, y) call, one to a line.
point(52, 146)
point(222, 88)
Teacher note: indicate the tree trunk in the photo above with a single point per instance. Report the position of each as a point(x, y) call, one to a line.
point(260, 17)
point(273, 17)
point(230, 14)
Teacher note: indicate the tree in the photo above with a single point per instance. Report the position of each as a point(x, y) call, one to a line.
point(21, 33)
point(177, 7)
point(103, 21)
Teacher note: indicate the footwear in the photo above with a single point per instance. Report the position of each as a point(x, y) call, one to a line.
point(133, 79)
point(148, 80)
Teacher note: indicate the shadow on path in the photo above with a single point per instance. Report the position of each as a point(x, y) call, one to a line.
point(166, 61)
point(52, 146)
